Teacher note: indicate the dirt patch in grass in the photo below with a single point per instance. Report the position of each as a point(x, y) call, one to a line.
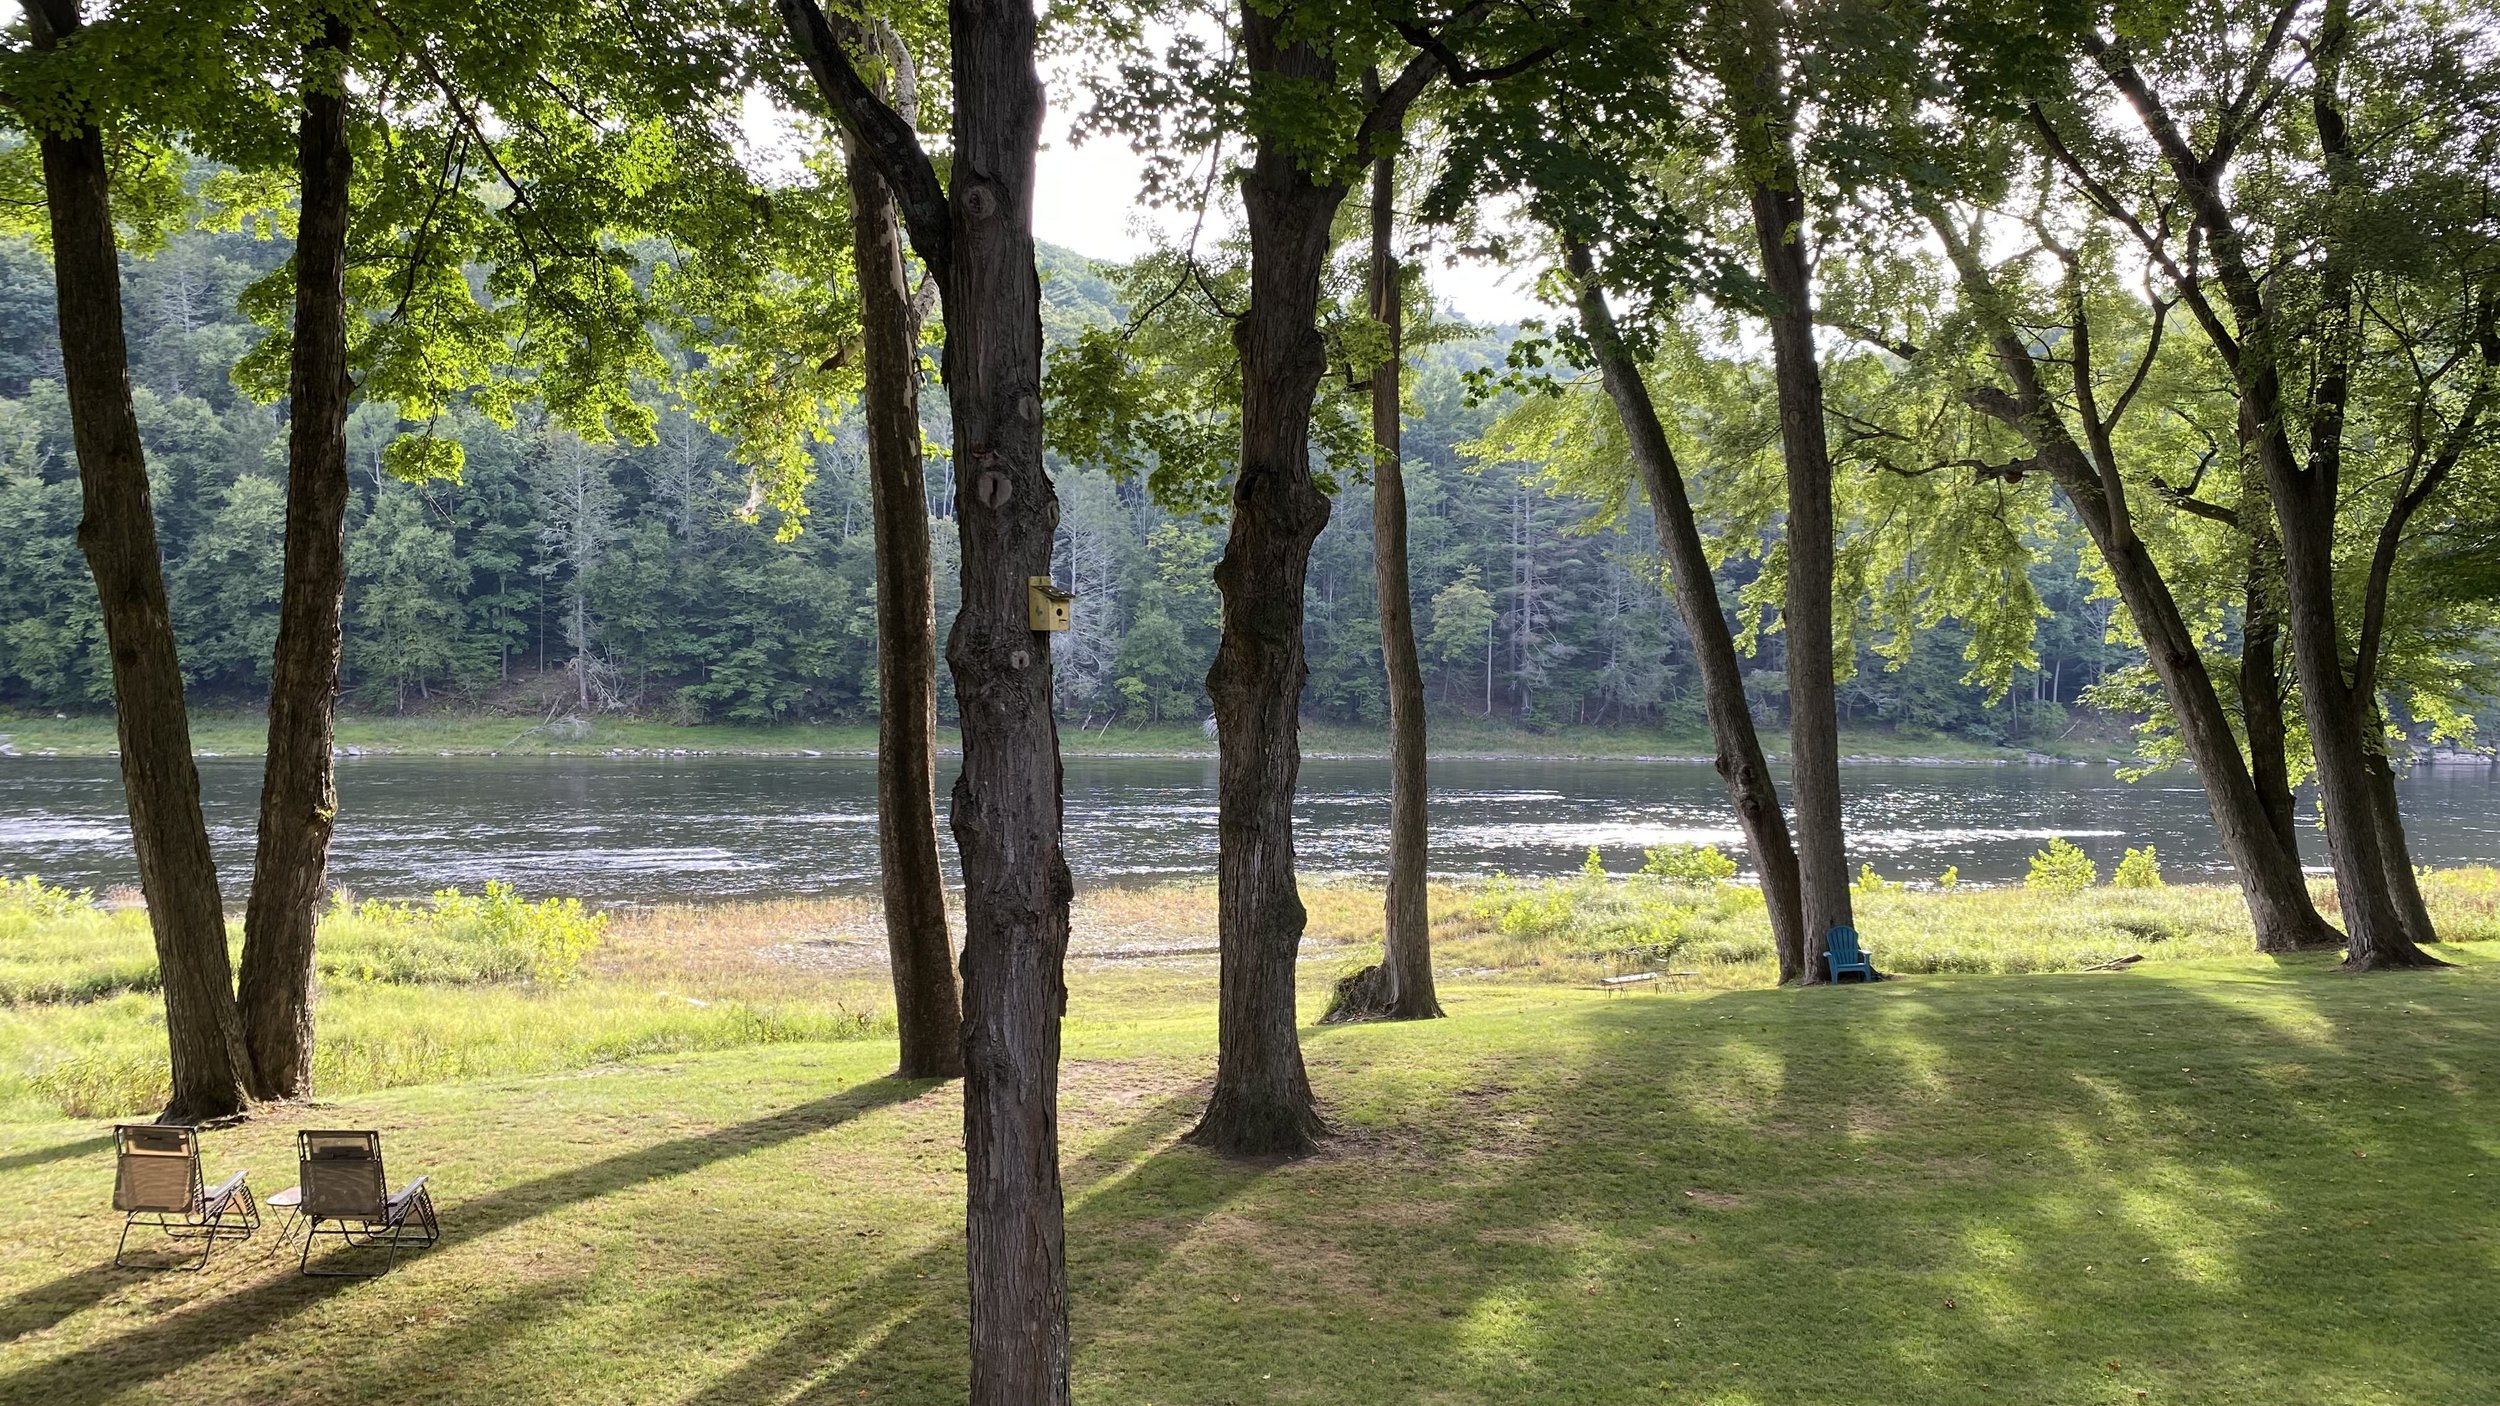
point(1113, 1090)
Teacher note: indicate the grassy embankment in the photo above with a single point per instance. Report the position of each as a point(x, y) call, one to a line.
point(244, 734)
point(2210, 1178)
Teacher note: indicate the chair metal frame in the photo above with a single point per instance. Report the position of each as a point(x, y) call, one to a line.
point(211, 1217)
point(364, 1215)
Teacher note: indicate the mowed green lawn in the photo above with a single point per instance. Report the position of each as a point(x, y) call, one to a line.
point(2220, 1181)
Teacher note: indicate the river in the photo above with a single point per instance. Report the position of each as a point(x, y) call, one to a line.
point(694, 828)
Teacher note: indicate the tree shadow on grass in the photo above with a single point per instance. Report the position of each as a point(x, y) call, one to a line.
point(899, 1337)
point(2045, 1189)
point(213, 1325)
point(57, 1152)
point(1901, 1194)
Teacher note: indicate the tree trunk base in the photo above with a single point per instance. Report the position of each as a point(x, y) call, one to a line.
point(1235, 1127)
point(2325, 940)
point(2410, 959)
point(1365, 996)
point(192, 1115)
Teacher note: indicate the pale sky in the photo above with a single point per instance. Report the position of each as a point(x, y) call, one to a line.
point(1088, 201)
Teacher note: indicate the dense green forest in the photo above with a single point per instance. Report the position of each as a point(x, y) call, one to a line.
point(562, 575)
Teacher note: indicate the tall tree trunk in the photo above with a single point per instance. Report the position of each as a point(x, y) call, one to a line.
point(2271, 881)
point(177, 873)
point(2261, 670)
point(2266, 861)
point(1739, 749)
point(1006, 813)
point(978, 236)
point(2338, 722)
point(1262, 1101)
point(2404, 886)
point(1778, 202)
point(1406, 945)
point(2345, 737)
point(298, 791)
point(2304, 497)
point(927, 1014)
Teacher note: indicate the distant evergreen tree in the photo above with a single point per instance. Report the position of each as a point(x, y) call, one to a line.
point(557, 573)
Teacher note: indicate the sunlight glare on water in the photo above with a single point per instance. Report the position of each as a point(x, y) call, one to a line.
point(693, 828)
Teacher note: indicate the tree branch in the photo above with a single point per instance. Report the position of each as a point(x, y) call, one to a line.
point(2196, 182)
point(2391, 532)
point(1901, 348)
point(1388, 114)
point(51, 21)
point(2238, 115)
point(2106, 200)
point(1462, 73)
point(1434, 58)
point(2186, 501)
point(2144, 365)
point(882, 133)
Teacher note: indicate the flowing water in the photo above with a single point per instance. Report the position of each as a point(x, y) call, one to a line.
point(643, 829)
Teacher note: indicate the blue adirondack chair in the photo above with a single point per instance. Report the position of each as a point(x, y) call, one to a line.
point(1842, 955)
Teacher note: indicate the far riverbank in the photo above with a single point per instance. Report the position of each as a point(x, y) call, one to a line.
point(243, 734)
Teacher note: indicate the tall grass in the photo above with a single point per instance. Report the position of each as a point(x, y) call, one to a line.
point(459, 987)
point(468, 988)
point(56, 945)
point(456, 937)
point(1585, 928)
point(106, 1059)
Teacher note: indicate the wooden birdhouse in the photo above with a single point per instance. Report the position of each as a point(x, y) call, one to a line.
point(1046, 605)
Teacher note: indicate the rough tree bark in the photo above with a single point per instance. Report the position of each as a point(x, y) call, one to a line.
point(1262, 1100)
point(976, 233)
point(2404, 886)
point(1778, 200)
point(927, 1013)
point(1739, 748)
point(177, 873)
point(2261, 675)
point(2347, 785)
point(299, 792)
point(1406, 945)
point(2266, 860)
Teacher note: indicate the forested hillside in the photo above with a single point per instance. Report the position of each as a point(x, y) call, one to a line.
point(559, 574)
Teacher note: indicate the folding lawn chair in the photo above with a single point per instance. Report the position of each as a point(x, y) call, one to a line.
point(157, 1182)
point(345, 1195)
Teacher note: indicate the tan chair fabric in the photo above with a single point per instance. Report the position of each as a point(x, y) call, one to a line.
point(341, 1175)
point(341, 1189)
point(158, 1169)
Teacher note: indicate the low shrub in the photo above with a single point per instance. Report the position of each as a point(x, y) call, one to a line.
point(110, 1062)
point(455, 937)
point(1689, 864)
point(2464, 903)
point(33, 897)
point(1563, 929)
point(2139, 869)
point(2062, 868)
